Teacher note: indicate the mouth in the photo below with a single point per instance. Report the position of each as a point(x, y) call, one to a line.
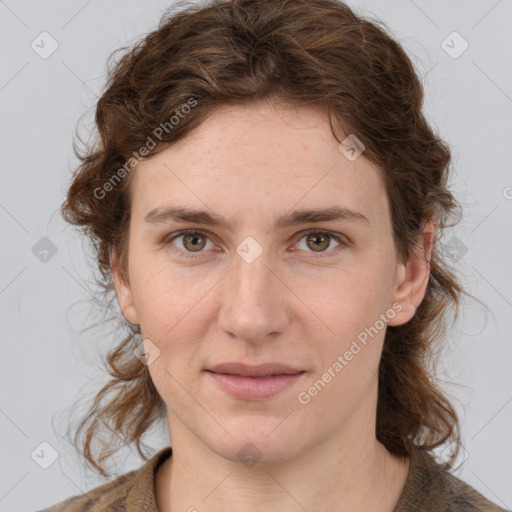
point(261, 370)
point(254, 382)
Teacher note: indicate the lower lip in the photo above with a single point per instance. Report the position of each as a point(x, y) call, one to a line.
point(254, 388)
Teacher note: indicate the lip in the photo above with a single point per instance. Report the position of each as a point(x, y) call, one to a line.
point(260, 370)
point(254, 382)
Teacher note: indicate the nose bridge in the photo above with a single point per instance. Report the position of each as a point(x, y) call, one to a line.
point(251, 273)
point(253, 305)
point(252, 278)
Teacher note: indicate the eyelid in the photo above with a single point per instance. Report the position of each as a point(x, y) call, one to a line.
point(341, 239)
point(167, 242)
point(337, 236)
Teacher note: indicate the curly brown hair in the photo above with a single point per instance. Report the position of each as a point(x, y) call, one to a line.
point(305, 52)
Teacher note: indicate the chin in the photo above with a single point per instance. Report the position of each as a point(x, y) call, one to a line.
point(254, 441)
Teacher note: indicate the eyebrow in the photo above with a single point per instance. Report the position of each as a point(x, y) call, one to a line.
point(166, 214)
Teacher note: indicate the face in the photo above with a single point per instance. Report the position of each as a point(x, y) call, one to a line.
point(264, 283)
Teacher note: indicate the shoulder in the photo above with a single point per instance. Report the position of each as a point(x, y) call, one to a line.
point(431, 488)
point(460, 496)
point(107, 497)
point(130, 492)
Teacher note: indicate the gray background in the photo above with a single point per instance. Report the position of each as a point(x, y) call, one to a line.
point(48, 363)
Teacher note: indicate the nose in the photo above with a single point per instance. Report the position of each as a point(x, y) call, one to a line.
point(255, 304)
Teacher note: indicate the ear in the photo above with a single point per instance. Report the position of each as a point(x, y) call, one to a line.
point(413, 276)
point(123, 291)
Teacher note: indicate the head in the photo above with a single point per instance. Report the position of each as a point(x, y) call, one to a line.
point(261, 115)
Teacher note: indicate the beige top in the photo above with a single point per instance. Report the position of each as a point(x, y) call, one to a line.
point(428, 488)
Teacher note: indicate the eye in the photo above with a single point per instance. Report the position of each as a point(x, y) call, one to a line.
point(194, 241)
point(320, 241)
point(191, 241)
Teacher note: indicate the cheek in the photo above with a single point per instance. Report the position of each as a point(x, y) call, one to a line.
point(353, 305)
point(348, 299)
point(169, 299)
point(174, 314)
point(349, 351)
point(175, 304)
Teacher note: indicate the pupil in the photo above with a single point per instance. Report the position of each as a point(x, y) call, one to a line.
point(193, 239)
point(320, 241)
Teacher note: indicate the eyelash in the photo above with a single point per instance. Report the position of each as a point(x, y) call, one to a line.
point(168, 241)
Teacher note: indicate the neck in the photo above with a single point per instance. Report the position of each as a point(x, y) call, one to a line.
point(349, 471)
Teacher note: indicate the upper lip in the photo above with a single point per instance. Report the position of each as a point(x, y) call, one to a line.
point(260, 370)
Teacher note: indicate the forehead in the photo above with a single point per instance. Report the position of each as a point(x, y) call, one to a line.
point(253, 159)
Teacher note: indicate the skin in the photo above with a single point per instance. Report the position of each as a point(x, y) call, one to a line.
point(251, 164)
